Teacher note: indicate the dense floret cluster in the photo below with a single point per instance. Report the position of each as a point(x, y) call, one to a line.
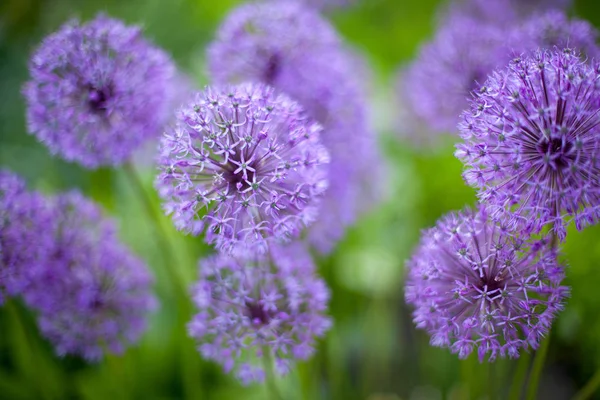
point(476, 287)
point(532, 139)
point(245, 164)
point(259, 303)
point(98, 91)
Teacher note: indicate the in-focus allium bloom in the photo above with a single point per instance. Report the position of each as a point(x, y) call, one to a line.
point(97, 91)
point(246, 163)
point(553, 29)
point(23, 215)
point(462, 53)
point(474, 286)
point(532, 140)
point(269, 302)
point(92, 294)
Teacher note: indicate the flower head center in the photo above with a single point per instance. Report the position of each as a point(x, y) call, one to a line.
point(556, 151)
point(98, 97)
point(257, 313)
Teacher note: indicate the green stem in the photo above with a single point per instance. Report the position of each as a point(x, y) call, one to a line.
point(269, 375)
point(492, 380)
point(590, 388)
point(155, 216)
point(33, 356)
point(519, 378)
point(538, 366)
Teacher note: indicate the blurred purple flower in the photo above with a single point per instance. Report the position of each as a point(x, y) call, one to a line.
point(290, 46)
point(98, 91)
point(251, 158)
point(23, 215)
point(476, 287)
point(435, 87)
point(553, 29)
point(92, 294)
point(270, 302)
point(532, 142)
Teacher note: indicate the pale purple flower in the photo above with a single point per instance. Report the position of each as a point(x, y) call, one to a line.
point(98, 91)
point(91, 294)
point(259, 302)
point(477, 288)
point(532, 141)
point(324, 5)
point(553, 29)
point(23, 216)
point(245, 164)
point(436, 85)
point(291, 47)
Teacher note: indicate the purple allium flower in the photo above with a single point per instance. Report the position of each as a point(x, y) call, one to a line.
point(325, 5)
point(474, 286)
point(437, 84)
point(246, 163)
point(280, 44)
point(554, 29)
point(97, 91)
point(531, 142)
point(502, 12)
point(92, 294)
point(291, 47)
point(268, 302)
point(23, 215)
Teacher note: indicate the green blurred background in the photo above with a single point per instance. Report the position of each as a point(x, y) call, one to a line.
point(373, 352)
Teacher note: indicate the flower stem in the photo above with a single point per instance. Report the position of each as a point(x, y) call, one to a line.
point(538, 366)
point(155, 216)
point(590, 388)
point(492, 381)
point(519, 378)
point(269, 375)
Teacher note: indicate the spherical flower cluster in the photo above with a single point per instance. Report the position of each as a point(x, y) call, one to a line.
point(91, 294)
point(553, 29)
point(532, 141)
point(324, 5)
point(264, 303)
point(291, 47)
point(97, 91)
point(462, 53)
point(279, 44)
point(251, 158)
point(475, 286)
point(23, 215)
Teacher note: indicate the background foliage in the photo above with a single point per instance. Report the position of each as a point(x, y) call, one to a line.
point(373, 351)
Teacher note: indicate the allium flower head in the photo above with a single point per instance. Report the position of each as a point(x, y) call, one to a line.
point(23, 216)
point(92, 294)
point(461, 55)
point(553, 29)
point(269, 302)
point(475, 287)
point(97, 91)
point(280, 44)
point(324, 5)
point(246, 163)
point(532, 139)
